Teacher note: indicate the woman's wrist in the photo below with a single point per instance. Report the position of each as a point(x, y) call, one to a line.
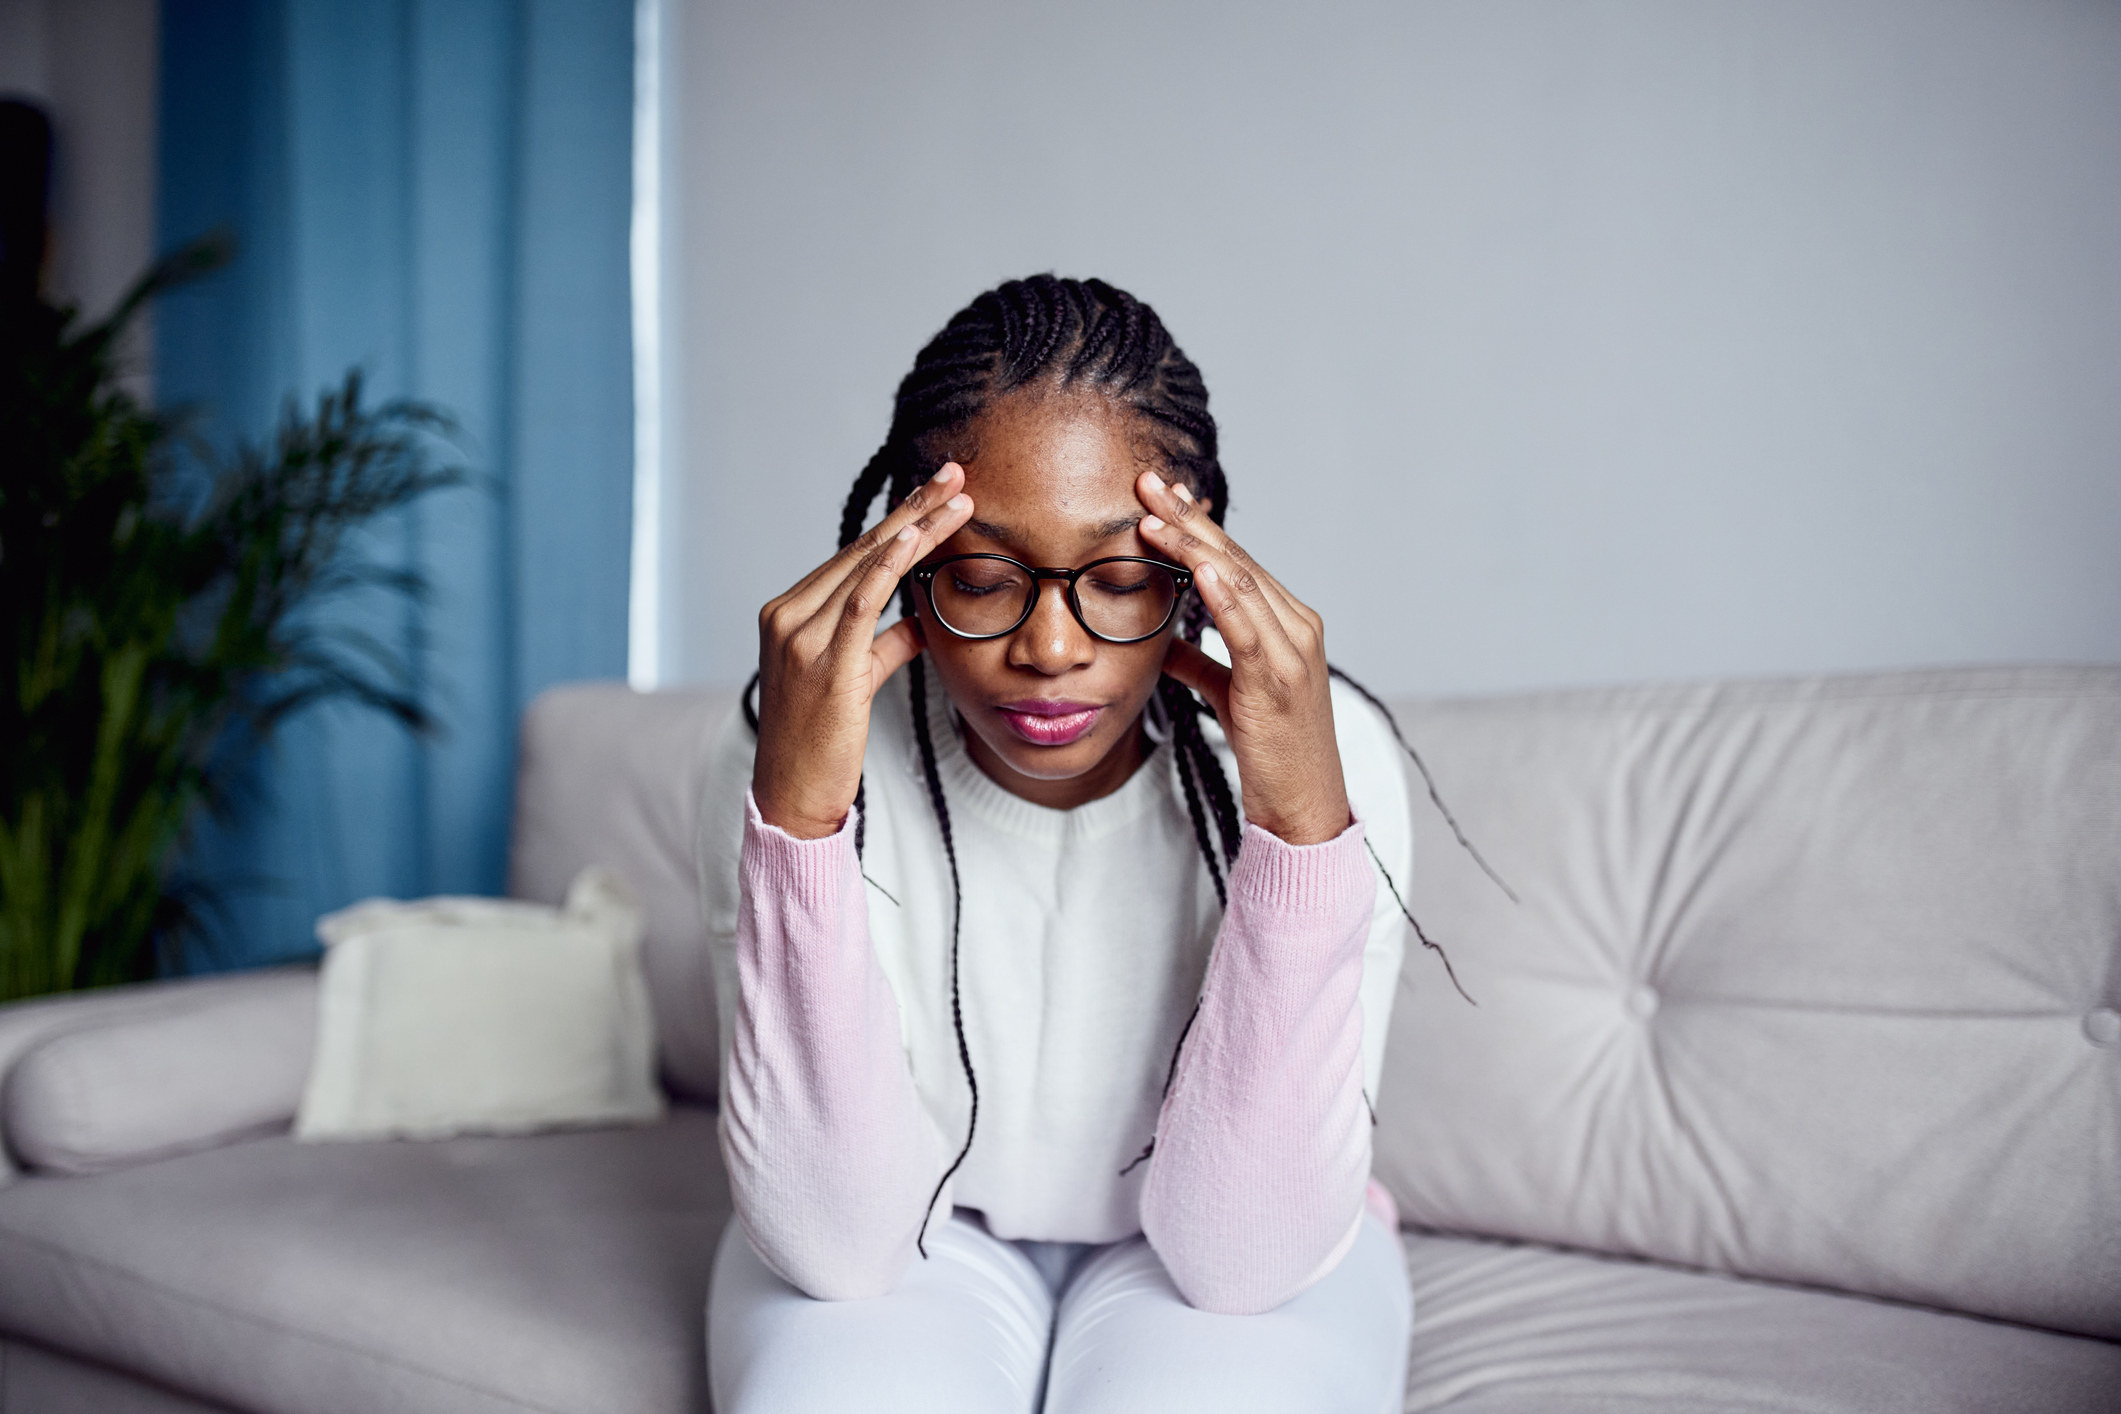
point(806, 833)
point(791, 818)
point(1300, 798)
point(1314, 825)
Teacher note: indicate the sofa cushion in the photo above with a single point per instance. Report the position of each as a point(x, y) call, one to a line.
point(613, 777)
point(556, 1272)
point(1505, 1329)
point(482, 1016)
point(127, 1079)
point(1811, 980)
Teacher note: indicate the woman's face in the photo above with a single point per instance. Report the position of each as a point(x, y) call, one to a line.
point(1051, 477)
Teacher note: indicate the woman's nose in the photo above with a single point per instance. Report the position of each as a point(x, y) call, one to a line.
point(1051, 641)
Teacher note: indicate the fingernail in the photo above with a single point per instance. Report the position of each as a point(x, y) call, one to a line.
point(1152, 523)
point(943, 475)
point(1156, 483)
point(907, 533)
point(1206, 575)
point(1182, 493)
point(959, 502)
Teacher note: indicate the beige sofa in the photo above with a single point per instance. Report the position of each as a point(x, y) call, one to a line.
point(1794, 1084)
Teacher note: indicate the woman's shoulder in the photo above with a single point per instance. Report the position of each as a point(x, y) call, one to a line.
point(1370, 761)
point(719, 832)
point(1364, 732)
point(730, 750)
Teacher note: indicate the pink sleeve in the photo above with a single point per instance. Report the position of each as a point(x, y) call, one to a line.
point(1256, 1184)
point(831, 1158)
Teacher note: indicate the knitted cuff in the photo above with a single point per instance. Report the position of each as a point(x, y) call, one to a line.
point(1324, 880)
point(808, 873)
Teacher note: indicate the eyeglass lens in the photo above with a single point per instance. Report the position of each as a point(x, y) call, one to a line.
point(1121, 599)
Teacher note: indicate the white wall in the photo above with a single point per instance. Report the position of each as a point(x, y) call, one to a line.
point(1552, 342)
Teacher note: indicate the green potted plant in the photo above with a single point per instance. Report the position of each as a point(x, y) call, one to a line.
point(159, 608)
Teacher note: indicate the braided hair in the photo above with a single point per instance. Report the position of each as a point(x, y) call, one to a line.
point(1061, 335)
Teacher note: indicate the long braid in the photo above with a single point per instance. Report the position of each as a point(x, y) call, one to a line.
point(917, 689)
point(1435, 797)
point(1185, 712)
point(1168, 689)
point(1221, 798)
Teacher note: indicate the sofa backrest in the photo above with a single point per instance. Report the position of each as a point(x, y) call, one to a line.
point(610, 776)
point(1813, 980)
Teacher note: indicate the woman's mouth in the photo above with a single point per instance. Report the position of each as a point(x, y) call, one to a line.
point(1045, 723)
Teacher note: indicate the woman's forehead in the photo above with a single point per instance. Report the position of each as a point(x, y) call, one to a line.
point(1056, 470)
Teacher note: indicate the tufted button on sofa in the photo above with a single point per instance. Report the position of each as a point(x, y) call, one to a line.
point(1791, 1081)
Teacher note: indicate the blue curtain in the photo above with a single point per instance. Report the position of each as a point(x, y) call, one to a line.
point(438, 193)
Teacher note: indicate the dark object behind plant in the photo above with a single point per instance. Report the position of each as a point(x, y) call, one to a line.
point(152, 607)
point(25, 193)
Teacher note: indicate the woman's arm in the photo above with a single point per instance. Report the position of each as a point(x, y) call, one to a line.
point(1263, 1148)
point(1262, 1154)
point(831, 1158)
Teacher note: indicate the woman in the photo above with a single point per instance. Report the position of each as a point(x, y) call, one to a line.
point(1048, 1050)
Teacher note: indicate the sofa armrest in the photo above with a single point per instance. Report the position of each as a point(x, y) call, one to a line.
point(105, 1079)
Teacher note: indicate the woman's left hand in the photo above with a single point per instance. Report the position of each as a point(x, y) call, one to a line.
point(1274, 700)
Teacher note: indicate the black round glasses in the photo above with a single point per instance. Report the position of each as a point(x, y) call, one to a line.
point(1124, 599)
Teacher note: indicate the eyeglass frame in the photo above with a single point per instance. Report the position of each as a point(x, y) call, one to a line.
point(1182, 579)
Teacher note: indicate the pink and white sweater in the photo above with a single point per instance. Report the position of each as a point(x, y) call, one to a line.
point(1088, 936)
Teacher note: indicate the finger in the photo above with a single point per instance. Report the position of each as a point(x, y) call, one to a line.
point(1189, 665)
point(1247, 626)
point(924, 500)
point(1175, 506)
point(1284, 598)
point(819, 585)
point(1243, 614)
point(860, 598)
point(1287, 606)
point(943, 522)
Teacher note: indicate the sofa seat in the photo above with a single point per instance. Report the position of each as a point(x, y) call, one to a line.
point(1504, 1328)
point(560, 1272)
point(568, 1272)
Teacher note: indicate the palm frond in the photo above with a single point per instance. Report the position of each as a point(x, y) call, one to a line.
point(165, 606)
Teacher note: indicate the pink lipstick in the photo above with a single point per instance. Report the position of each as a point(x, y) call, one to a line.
point(1044, 723)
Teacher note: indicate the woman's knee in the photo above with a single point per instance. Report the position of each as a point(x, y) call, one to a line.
point(964, 1331)
point(1127, 1343)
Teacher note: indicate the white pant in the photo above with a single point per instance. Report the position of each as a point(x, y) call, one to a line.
point(986, 1326)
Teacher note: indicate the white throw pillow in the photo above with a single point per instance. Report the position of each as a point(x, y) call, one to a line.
point(482, 1016)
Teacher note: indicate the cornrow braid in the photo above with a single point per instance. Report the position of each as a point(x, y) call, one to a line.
point(873, 479)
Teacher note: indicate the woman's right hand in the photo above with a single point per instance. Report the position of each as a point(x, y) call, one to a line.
point(822, 662)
